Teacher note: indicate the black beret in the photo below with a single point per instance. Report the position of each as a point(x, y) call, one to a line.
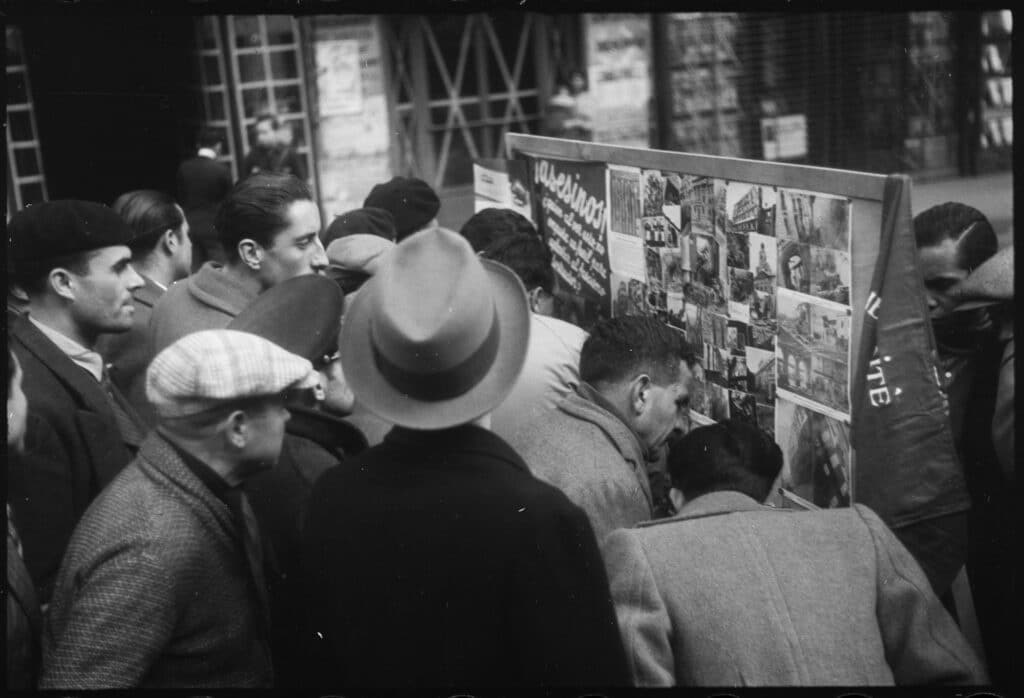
point(301, 315)
point(55, 229)
point(411, 201)
point(361, 221)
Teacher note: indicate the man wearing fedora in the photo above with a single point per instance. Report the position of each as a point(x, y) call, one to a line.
point(301, 315)
point(436, 558)
point(73, 261)
point(269, 227)
point(162, 585)
point(595, 445)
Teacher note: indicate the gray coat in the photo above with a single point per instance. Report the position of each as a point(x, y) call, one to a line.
point(732, 593)
point(155, 589)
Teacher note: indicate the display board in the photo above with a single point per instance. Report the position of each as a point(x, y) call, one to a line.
point(764, 267)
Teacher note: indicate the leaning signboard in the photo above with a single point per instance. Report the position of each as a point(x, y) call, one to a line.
point(764, 267)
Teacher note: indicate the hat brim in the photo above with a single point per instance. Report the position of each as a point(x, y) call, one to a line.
point(374, 392)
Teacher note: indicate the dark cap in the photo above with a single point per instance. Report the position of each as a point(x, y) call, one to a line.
point(55, 229)
point(410, 201)
point(361, 221)
point(301, 315)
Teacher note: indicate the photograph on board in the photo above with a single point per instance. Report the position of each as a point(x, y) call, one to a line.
point(718, 398)
point(694, 318)
point(675, 315)
point(624, 201)
point(736, 335)
point(766, 418)
point(652, 259)
point(672, 201)
point(697, 204)
point(738, 253)
point(741, 286)
point(654, 193)
point(814, 325)
point(764, 259)
point(708, 270)
point(766, 216)
point(742, 207)
point(761, 367)
point(656, 231)
point(760, 333)
point(816, 454)
point(738, 378)
point(742, 407)
point(793, 261)
point(629, 296)
point(714, 326)
point(811, 218)
point(830, 274)
point(673, 276)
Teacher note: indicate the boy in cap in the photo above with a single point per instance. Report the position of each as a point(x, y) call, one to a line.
point(73, 261)
point(303, 316)
point(410, 201)
point(162, 584)
point(729, 592)
point(436, 558)
point(269, 227)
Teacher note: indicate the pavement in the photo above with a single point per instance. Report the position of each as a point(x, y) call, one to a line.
point(992, 194)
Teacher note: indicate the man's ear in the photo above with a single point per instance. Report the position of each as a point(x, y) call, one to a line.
point(639, 392)
point(62, 283)
point(170, 241)
point(676, 497)
point(534, 297)
point(237, 430)
point(251, 253)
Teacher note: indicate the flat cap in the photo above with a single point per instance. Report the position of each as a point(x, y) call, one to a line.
point(301, 315)
point(361, 221)
point(410, 201)
point(210, 367)
point(54, 229)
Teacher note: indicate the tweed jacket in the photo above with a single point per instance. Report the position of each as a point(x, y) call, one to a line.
point(207, 300)
point(74, 446)
point(732, 593)
point(129, 352)
point(436, 559)
point(591, 455)
point(155, 590)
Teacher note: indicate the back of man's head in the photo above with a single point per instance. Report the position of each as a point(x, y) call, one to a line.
point(968, 227)
point(257, 209)
point(730, 455)
point(209, 137)
point(528, 257)
point(150, 214)
point(491, 224)
point(619, 349)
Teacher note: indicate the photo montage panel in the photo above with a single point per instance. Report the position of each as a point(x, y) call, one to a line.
point(816, 456)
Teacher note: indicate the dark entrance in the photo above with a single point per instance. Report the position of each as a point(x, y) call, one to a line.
point(114, 99)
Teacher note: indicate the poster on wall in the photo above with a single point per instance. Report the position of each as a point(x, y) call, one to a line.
point(338, 78)
point(618, 78)
point(572, 208)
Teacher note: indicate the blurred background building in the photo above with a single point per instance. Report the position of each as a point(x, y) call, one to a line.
point(367, 97)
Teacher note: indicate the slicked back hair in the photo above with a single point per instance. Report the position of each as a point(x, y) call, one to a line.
point(491, 224)
point(149, 213)
point(956, 221)
point(622, 348)
point(257, 209)
point(528, 257)
point(730, 455)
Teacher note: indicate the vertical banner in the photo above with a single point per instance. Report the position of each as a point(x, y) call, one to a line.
point(573, 214)
point(618, 73)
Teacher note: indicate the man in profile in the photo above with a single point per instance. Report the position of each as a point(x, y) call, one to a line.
point(729, 592)
point(272, 154)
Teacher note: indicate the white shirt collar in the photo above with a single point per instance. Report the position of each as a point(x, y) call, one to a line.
point(90, 360)
point(208, 153)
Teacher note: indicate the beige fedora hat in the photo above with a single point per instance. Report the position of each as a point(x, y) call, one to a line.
point(437, 337)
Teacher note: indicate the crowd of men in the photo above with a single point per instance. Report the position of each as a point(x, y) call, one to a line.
point(367, 456)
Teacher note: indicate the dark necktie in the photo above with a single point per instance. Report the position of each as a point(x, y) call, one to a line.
point(249, 528)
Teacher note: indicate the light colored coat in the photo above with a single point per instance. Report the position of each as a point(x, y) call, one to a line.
point(732, 593)
point(591, 455)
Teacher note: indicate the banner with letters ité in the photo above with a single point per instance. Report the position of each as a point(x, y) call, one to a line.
point(572, 211)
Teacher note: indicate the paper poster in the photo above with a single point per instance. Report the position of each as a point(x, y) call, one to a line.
point(624, 210)
point(816, 454)
point(338, 77)
point(499, 183)
point(573, 212)
point(618, 76)
point(784, 137)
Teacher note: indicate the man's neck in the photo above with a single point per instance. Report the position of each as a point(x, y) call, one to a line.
point(157, 270)
point(205, 452)
point(208, 153)
point(245, 277)
point(59, 320)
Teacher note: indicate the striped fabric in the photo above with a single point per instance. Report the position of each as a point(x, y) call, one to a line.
point(205, 367)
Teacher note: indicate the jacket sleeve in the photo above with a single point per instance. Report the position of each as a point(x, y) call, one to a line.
point(111, 625)
point(923, 645)
point(643, 619)
point(567, 618)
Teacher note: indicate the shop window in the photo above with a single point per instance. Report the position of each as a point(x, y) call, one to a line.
point(26, 183)
point(212, 73)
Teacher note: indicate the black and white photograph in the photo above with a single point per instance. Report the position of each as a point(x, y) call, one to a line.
point(628, 296)
point(816, 454)
point(672, 272)
point(830, 275)
point(742, 207)
point(672, 206)
point(624, 201)
point(675, 315)
point(738, 254)
point(738, 378)
point(816, 219)
point(654, 193)
point(766, 418)
point(714, 326)
point(741, 286)
point(718, 397)
point(814, 325)
point(761, 334)
point(763, 259)
point(655, 273)
point(736, 336)
point(761, 367)
point(657, 231)
point(794, 266)
point(697, 199)
point(693, 315)
point(742, 407)
point(766, 216)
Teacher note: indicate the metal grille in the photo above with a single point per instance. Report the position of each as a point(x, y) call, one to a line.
point(26, 181)
point(214, 86)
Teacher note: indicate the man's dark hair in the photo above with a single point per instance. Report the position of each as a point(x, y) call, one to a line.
point(149, 213)
point(32, 276)
point(209, 137)
point(528, 257)
point(730, 455)
point(490, 224)
point(257, 209)
point(956, 221)
point(624, 347)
